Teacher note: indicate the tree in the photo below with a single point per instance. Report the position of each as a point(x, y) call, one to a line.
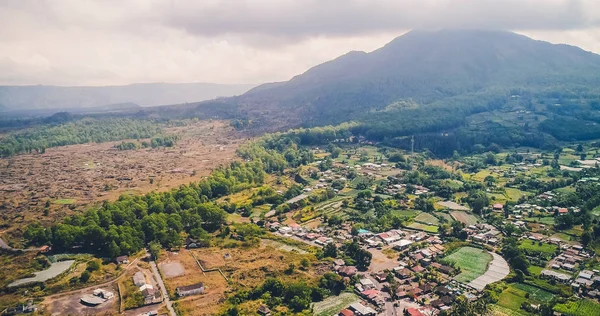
point(85, 276)
point(114, 250)
point(154, 248)
point(363, 259)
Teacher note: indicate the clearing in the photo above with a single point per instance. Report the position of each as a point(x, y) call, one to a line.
point(54, 270)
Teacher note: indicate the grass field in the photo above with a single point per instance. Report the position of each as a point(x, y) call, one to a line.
point(65, 201)
point(404, 213)
point(533, 246)
point(423, 227)
point(427, 218)
point(535, 293)
point(583, 307)
point(473, 262)
point(468, 219)
point(544, 220)
point(535, 270)
point(333, 304)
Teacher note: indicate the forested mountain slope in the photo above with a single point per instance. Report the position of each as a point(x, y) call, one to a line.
point(425, 66)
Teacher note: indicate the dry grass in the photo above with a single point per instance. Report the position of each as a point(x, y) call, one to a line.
point(245, 268)
point(74, 176)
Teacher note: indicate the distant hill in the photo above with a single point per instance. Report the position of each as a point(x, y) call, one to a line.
point(145, 94)
point(424, 66)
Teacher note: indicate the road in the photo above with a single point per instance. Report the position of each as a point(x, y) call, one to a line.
point(163, 289)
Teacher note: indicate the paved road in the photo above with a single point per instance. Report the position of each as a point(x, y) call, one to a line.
point(163, 289)
point(497, 270)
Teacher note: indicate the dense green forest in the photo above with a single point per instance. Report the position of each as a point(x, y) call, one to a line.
point(126, 225)
point(85, 130)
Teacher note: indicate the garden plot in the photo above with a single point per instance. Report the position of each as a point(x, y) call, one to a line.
point(426, 218)
point(466, 218)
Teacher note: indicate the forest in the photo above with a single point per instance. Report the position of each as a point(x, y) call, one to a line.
point(81, 131)
point(128, 224)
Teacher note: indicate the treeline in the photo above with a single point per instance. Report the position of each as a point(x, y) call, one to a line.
point(155, 142)
point(128, 224)
point(77, 132)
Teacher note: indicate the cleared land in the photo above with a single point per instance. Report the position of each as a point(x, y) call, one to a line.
point(54, 270)
point(453, 206)
point(72, 176)
point(466, 218)
point(473, 263)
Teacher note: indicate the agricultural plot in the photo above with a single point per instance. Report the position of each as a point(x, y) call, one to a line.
point(426, 218)
point(333, 304)
point(535, 293)
point(581, 307)
point(530, 246)
point(473, 263)
point(404, 213)
point(541, 220)
point(445, 216)
point(463, 217)
point(423, 227)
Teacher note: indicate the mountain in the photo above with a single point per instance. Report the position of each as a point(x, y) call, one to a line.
point(423, 67)
point(145, 94)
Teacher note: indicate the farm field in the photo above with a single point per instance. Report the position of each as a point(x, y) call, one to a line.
point(426, 218)
point(535, 247)
point(423, 227)
point(581, 307)
point(466, 218)
point(74, 176)
point(473, 262)
point(333, 304)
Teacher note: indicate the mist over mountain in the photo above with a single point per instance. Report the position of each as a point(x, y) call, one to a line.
point(423, 66)
point(144, 94)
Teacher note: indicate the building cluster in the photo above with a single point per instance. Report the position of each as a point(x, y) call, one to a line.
point(98, 297)
point(484, 234)
point(151, 295)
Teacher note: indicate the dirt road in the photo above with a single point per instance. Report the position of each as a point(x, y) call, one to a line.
point(163, 289)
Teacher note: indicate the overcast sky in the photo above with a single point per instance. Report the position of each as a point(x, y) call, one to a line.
point(105, 42)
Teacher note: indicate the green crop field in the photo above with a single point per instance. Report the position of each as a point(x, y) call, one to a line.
point(473, 263)
point(531, 246)
point(446, 216)
point(580, 307)
point(423, 227)
point(404, 213)
point(427, 218)
point(535, 293)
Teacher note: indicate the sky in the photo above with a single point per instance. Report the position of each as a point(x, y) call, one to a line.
point(116, 42)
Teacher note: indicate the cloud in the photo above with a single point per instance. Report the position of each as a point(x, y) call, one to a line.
point(86, 42)
point(306, 18)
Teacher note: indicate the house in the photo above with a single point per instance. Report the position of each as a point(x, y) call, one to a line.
point(498, 207)
point(193, 289)
point(348, 271)
point(367, 284)
point(414, 312)
point(263, 310)
point(139, 279)
point(122, 259)
point(403, 273)
point(426, 288)
point(561, 277)
point(563, 211)
point(362, 310)
point(418, 269)
point(45, 249)
point(346, 312)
